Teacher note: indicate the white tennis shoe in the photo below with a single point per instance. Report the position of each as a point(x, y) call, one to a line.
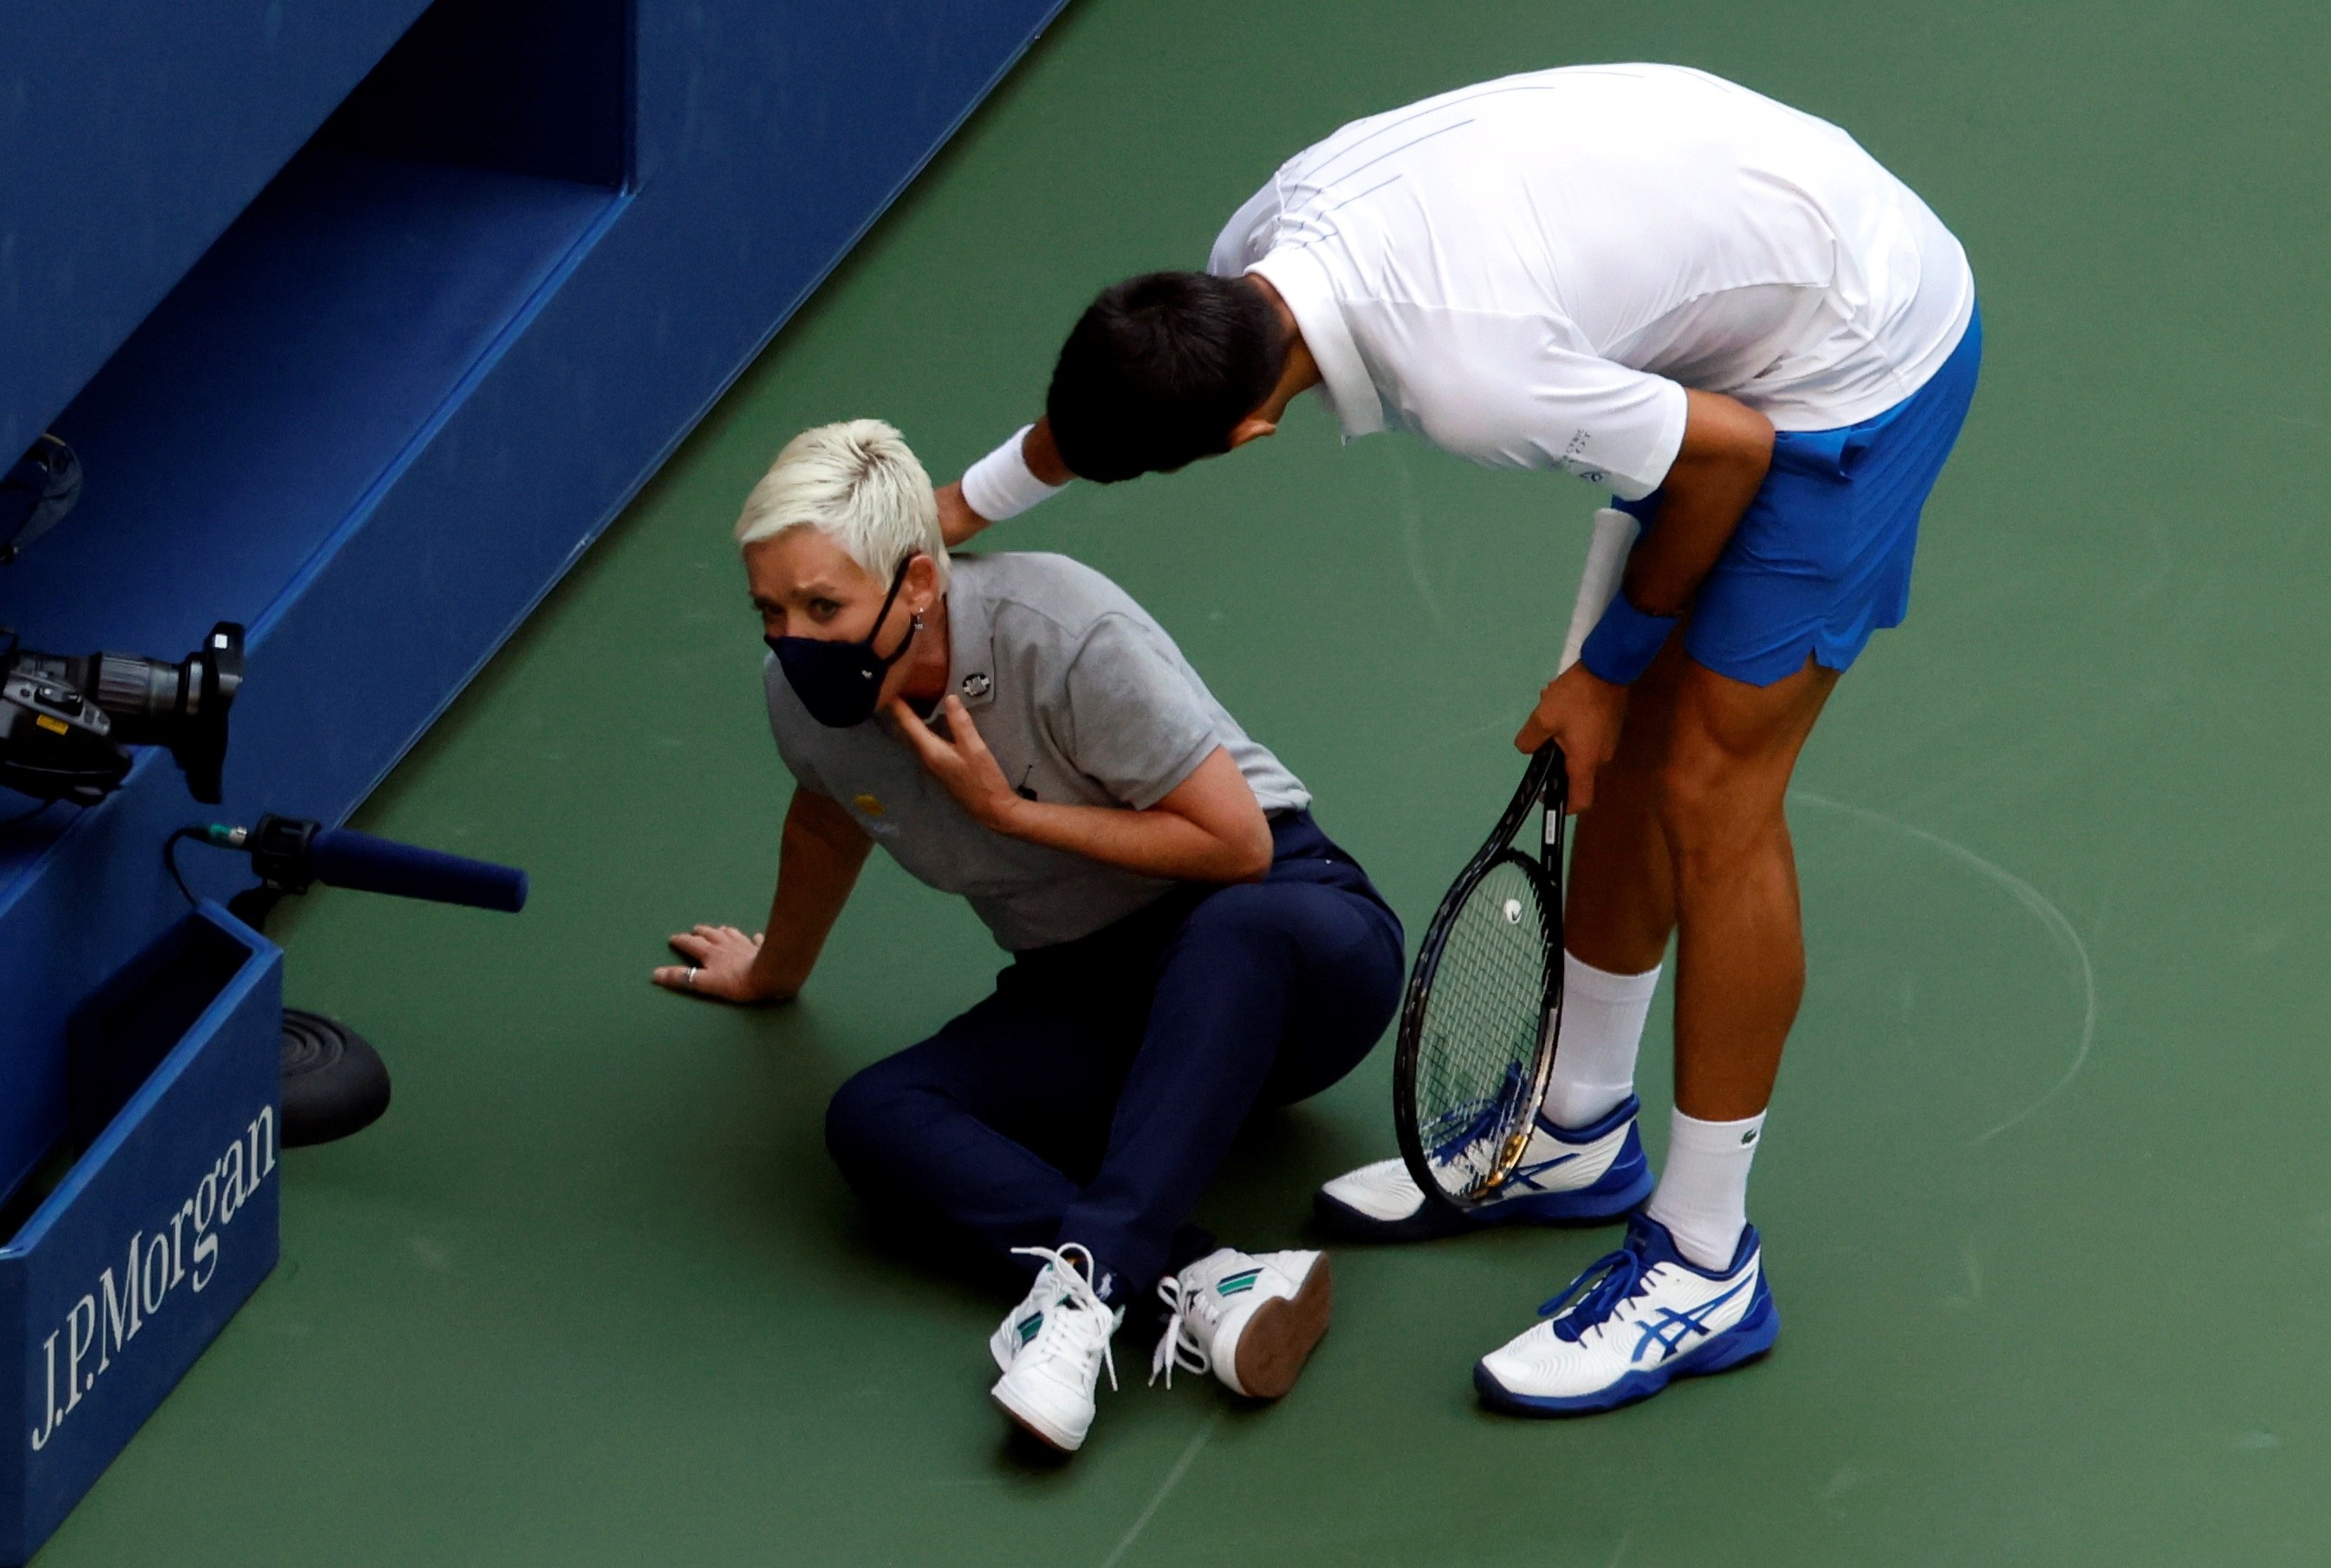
point(1634, 1321)
point(1053, 1348)
point(1567, 1176)
point(1252, 1319)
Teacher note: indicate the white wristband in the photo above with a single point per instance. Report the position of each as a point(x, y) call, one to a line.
point(1606, 562)
point(1001, 485)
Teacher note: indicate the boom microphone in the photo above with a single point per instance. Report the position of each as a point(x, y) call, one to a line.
point(290, 853)
point(343, 858)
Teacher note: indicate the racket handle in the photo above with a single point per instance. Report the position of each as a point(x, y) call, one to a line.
point(1606, 562)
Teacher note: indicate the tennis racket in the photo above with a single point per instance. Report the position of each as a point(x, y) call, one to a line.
point(1484, 1003)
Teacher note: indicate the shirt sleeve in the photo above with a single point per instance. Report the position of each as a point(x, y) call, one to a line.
point(1134, 722)
point(1506, 392)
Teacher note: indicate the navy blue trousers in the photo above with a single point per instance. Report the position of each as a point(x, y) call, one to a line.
point(1092, 1097)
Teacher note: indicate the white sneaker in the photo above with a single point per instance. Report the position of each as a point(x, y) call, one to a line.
point(1051, 1348)
point(1252, 1319)
point(1568, 1176)
point(1634, 1322)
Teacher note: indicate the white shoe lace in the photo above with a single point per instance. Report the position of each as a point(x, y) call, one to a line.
point(1178, 1345)
point(1076, 1287)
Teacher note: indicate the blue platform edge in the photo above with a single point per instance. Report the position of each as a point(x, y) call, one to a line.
point(161, 1230)
point(766, 139)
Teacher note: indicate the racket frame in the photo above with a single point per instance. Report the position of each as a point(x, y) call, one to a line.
point(1545, 787)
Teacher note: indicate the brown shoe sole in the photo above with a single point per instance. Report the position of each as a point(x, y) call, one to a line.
point(1055, 1442)
point(1281, 1335)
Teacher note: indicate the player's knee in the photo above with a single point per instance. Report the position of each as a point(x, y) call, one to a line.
point(1709, 806)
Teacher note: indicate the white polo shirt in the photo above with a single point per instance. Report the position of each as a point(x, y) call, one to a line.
point(1529, 273)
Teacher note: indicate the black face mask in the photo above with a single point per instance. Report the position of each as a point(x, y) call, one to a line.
point(839, 682)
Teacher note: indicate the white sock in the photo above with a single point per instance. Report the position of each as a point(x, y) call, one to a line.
point(1703, 1194)
point(1602, 1018)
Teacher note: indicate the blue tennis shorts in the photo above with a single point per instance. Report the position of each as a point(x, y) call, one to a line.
point(1821, 558)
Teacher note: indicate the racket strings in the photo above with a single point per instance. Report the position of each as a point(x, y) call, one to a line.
point(1484, 1021)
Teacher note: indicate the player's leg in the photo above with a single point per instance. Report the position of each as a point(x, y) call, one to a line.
point(1585, 1163)
point(1619, 911)
point(1821, 561)
point(1618, 908)
point(1740, 945)
point(1685, 1292)
point(1740, 968)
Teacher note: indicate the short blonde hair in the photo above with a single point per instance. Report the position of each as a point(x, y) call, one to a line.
point(857, 483)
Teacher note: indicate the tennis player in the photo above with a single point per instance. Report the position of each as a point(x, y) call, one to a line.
point(1728, 315)
point(1186, 945)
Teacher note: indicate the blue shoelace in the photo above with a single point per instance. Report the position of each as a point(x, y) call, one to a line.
point(1598, 1290)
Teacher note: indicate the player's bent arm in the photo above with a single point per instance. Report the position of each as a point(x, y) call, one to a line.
point(1039, 456)
point(1727, 446)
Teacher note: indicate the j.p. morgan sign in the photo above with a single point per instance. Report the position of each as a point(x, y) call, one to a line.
point(176, 1256)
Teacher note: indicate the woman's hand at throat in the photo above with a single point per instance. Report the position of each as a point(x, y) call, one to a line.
point(1208, 828)
point(961, 763)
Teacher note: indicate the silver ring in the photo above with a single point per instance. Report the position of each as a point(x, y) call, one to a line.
point(691, 977)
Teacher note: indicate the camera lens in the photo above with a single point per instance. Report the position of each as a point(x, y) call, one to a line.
point(183, 705)
point(144, 702)
point(144, 696)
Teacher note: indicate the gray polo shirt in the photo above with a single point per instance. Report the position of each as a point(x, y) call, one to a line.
point(1083, 699)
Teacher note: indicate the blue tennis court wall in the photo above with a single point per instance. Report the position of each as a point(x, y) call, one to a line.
point(366, 316)
point(370, 377)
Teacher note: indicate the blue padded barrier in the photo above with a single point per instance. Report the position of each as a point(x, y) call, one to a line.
point(393, 405)
point(375, 416)
point(229, 471)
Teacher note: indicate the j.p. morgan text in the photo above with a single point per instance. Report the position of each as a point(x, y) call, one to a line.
point(182, 1251)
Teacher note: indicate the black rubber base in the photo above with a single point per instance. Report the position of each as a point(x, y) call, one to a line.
point(333, 1083)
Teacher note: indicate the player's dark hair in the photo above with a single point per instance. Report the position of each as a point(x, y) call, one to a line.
point(1159, 370)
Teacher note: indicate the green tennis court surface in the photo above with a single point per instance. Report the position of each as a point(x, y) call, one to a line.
point(2047, 1206)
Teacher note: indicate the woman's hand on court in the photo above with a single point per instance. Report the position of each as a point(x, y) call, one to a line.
point(962, 762)
point(1582, 711)
point(720, 966)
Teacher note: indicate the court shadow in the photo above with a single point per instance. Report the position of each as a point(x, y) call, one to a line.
point(1026, 1457)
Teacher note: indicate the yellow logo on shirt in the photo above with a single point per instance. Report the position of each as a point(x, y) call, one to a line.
point(868, 804)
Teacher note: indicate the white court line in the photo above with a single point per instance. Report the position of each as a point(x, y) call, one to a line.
point(1165, 1488)
point(2032, 899)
